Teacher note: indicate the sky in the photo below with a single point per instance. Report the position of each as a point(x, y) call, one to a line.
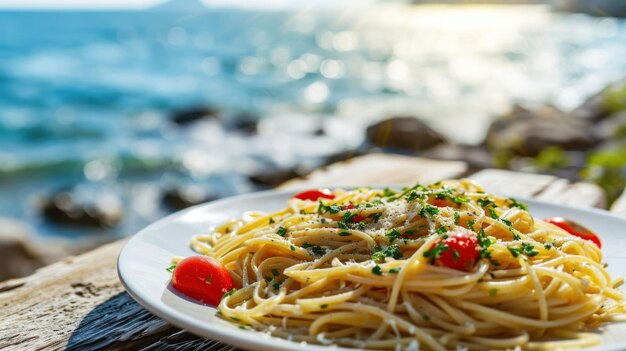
point(142, 4)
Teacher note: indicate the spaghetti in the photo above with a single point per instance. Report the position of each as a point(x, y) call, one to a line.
point(430, 267)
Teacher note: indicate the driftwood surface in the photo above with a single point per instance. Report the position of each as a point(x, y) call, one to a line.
point(79, 303)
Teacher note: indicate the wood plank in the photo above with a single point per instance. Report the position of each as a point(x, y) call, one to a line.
point(541, 186)
point(382, 169)
point(79, 303)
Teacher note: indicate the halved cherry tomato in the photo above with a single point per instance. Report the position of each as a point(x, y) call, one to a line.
point(315, 194)
point(575, 229)
point(355, 219)
point(462, 253)
point(202, 278)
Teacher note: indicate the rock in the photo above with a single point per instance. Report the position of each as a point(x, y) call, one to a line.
point(273, 178)
point(193, 114)
point(612, 127)
point(17, 257)
point(527, 133)
point(181, 197)
point(610, 100)
point(346, 155)
point(601, 8)
point(65, 209)
point(403, 133)
point(245, 122)
point(477, 157)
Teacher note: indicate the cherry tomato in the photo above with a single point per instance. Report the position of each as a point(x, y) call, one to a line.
point(202, 278)
point(355, 219)
point(315, 194)
point(575, 229)
point(462, 253)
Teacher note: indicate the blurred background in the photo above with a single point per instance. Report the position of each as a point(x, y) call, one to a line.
point(116, 113)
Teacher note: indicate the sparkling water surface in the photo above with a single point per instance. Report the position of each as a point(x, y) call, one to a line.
point(85, 97)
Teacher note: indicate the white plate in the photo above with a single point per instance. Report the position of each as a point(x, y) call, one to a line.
point(142, 263)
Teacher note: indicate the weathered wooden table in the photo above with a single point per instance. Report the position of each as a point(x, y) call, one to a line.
point(79, 303)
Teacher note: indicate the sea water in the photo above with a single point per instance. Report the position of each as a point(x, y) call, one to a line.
point(86, 97)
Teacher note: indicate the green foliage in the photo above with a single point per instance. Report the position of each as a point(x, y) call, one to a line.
point(551, 158)
point(607, 169)
point(615, 99)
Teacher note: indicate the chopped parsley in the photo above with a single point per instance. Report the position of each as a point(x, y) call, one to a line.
point(485, 242)
point(394, 270)
point(209, 278)
point(393, 235)
point(376, 217)
point(324, 306)
point(413, 195)
point(485, 202)
point(277, 285)
point(171, 268)
point(548, 246)
point(441, 231)
point(447, 194)
point(455, 255)
point(507, 222)
point(332, 209)
point(432, 210)
point(318, 250)
point(292, 248)
point(434, 253)
point(230, 292)
point(306, 245)
point(344, 234)
point(348, 217)
point(281, 231)
point(391, 251)
point(515, 235)
point(514, 251)
point(235, 319)
point(514, 203)
point(272, 221)
point(470, 224)
point(529, 250)
point(526, 249)
point(493, 213)
point(388, 192)
point(275, 272)
point(377, 270)
point(457, 217)
point(493, 292)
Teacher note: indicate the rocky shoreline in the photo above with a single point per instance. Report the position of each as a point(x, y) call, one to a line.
point(588, 143)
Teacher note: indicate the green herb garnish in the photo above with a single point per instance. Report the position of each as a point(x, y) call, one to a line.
point(514, 203)
point(230, 292)
point(434, 253)
point(393, 235)
point(281, 231)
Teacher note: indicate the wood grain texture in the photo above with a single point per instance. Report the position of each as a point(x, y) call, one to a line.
point(383, 170)
point(543, 187)
point(79, 303)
